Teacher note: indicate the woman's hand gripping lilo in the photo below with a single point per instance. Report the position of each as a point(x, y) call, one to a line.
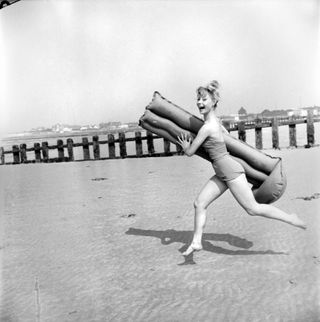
point(184, 141)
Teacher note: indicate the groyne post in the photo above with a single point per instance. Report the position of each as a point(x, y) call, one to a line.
point(292, 134)
point(242, 131)
point(179, 149)
point(150, 143)
point(258, 134)
point(166, 147)
point(23, 153)
point(70, 149)
point(86, 151)
point(45, 151)
point(122, 145)
point(138, 141)
point(310, 129)
point(275, 133)
point(111, 146)
point(16, 152)
point(60, 150)
point(2, 158)
point(37, 152)
point(96, 147)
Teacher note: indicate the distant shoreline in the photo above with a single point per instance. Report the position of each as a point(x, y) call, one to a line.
point(51, 134)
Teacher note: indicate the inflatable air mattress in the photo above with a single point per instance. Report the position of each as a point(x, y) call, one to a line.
point(264, 172)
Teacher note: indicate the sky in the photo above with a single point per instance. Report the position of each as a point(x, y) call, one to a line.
point(88, 62)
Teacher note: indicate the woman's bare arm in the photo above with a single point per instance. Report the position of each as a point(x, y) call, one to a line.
point(190, 147)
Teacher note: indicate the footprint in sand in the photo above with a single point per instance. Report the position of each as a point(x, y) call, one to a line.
point(99, 179)
point(316, 195)
point(293, 282)
point(128, 216)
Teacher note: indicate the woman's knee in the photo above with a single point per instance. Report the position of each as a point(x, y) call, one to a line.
point(199, 204)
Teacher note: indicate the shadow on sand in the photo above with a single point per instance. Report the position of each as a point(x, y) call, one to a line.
point(173, 236)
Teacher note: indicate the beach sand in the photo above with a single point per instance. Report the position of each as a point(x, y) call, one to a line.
point(102, 241)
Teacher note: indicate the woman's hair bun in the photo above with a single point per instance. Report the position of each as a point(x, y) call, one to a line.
point(213, 86)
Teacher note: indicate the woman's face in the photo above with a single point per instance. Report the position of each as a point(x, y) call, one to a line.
point(204, 102)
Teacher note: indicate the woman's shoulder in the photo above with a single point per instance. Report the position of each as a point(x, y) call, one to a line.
point(212, 126)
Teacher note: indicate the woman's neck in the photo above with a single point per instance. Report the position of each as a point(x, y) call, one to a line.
point(210, 116)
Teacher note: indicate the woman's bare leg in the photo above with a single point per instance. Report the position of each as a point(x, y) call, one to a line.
point(241, 191)
point(211, 191)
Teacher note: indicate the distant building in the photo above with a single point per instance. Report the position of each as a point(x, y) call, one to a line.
point(297, 112)
point(242, 112)
point(109, 125)
point(57, 127)
point(302, 112)
point(41, 129)
point(89, 127)
point(133, 124)
point(230, 118)
point(274, 113)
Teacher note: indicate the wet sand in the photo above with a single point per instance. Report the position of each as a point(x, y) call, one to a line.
point(102, 241)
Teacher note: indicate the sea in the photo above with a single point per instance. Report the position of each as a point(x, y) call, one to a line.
point(29, 140)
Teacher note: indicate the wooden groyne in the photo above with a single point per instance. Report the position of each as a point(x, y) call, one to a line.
point(65, 150)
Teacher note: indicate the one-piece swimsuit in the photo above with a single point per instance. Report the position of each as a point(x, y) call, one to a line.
point(225, 167)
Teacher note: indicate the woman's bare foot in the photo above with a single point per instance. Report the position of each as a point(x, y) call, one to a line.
point(297, 222)
point(192, 248)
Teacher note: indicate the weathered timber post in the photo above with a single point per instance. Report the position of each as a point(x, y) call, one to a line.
point(179, 149)
point(86, 151)
point(16, 152)
point(310, 129)
point(96, 147)
point(150, 143)
point(2, 159)
point(23, 153)
point(37, 152)
point(70, 149)
point(111, 146)
point(258, 134)
point(45, 152)
point(166, 147)
point(138, 141)
point(60, 150)
point(292, 134)
point(122, 145)
point(242, 131)
point(275, 133)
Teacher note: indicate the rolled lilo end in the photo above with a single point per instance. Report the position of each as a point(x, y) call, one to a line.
point(264, 172)
point(273, 187)
point(185, 120)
